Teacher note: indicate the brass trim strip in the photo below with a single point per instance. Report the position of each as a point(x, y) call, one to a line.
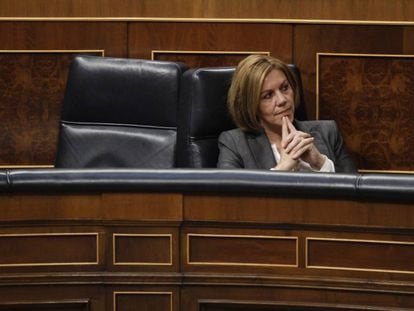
point(96, 234)
point(388, 172)
point(355, 241)
point(27, 166)
point(115, 293)
point(118, 263)
point(210, 20)
point(237, 263)
point(53, 51)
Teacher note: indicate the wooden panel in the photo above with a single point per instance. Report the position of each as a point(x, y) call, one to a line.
point(297, 211)
point(31, 104)
point(142, 206)
point(143, 249)
point(204, 59)
point(408, 42)
point(241, 250)
point(316, 9)
point(52, 296)
point(226, 305)
point(210, 37)
point(223, 229)
point(365, 255)
point(346, 298)
point(47, 305)
point(107, 36)
point(312, 39)
point(48, 249)
point(37, 207)
point(370, 97)
point(143, 301)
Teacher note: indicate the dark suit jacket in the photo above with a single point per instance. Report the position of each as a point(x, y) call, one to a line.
point(253, 151)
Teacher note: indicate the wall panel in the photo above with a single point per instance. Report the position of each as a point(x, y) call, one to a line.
point(396, 10)
point(370, 97)
point(30, 125)
point(147, 37)
point(31, 103)
point(108, 36)
point(312, 39)
point(34, 64)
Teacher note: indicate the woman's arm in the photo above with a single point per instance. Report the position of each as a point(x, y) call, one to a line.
point(228, 154)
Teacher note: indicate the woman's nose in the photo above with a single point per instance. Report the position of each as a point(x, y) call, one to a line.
point(280, 99)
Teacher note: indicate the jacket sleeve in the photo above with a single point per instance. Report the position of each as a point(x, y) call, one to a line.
point(229, 157)
point(343, 160)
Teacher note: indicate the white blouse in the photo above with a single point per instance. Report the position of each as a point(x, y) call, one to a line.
point(303, 166)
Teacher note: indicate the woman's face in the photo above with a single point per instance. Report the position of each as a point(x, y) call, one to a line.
point(276, 100)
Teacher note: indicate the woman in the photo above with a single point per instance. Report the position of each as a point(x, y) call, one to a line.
point(261, 101)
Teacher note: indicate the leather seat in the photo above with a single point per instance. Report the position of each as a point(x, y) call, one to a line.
point(119, 113)
point(203, 114)
point(4, 183)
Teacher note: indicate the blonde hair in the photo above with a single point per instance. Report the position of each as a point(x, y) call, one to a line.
point(244, 94)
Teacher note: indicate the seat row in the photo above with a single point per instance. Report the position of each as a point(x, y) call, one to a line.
point(134, 113)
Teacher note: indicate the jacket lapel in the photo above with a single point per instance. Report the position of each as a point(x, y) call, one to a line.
point(261, 150)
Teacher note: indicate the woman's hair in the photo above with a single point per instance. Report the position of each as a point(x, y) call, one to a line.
point(244, 94)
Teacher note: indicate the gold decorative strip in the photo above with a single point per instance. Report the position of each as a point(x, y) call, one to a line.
point(54, 51)
point(96, 262)
point(118, 293)
point(115, 262)
point(27, 166)
point(388, 171)
point(189, 262)
point(307, 265)
point(209, 20)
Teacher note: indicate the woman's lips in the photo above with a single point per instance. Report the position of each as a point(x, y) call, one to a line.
point(284, 112)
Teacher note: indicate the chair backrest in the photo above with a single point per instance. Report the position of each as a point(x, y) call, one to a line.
point(203, 114)
point(119, 112)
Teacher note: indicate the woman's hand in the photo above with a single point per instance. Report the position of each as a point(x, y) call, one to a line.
point(297, 145)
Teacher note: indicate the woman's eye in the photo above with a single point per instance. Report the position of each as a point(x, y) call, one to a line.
point(267, 95)
point(285, 87)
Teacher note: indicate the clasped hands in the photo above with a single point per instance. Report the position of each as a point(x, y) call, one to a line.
point(297, 145)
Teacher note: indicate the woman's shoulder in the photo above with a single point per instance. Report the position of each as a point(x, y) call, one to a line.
point(321, 125)
point(238, 134)
point(233, 135)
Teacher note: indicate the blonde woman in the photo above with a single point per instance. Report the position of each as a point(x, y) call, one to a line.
point(261, 101)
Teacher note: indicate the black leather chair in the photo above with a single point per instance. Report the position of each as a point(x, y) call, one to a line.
point(119, 113)
point(203, 114)
point(4, 182)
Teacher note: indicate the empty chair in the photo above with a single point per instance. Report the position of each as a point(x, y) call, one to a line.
point(119, 113)
point(203, 114)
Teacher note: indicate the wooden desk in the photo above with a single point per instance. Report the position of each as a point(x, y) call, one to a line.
point(188, 250)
